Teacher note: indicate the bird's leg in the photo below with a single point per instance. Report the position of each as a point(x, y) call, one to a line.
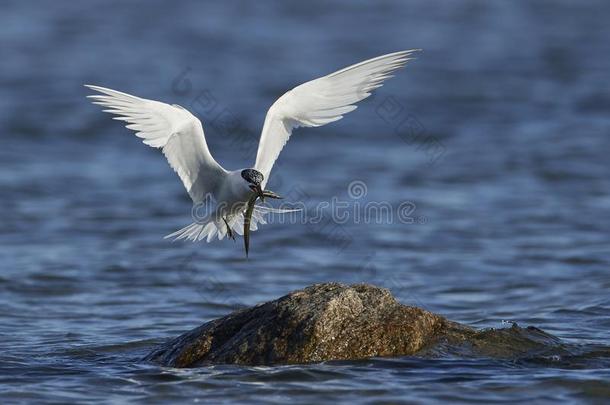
point(229, 230)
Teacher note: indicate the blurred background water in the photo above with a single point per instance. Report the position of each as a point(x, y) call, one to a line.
point(497, 135)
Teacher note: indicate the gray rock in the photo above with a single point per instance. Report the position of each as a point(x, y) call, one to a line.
point(321, 322)
point(340, 322)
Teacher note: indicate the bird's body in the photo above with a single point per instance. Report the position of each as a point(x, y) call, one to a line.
point(226, 194)
point(225, 214)
point(232, 190)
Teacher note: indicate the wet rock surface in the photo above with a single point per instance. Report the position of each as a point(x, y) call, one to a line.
point(321, 322)
point(339, 322)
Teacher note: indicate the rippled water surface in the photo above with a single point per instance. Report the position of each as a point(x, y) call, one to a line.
point(496, 137)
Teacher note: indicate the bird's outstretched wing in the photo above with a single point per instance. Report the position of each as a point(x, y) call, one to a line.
point(173, 129)
point(321, 101)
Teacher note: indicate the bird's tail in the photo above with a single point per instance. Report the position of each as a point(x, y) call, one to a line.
point(212, 228)
point(195, 231)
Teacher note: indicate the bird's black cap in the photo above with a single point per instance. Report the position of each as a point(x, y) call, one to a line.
point(252, 176)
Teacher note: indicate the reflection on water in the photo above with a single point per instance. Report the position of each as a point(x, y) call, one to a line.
point(497, 134)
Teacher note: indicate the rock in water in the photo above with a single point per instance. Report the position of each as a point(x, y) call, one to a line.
point(321, 322)
point(339, 322)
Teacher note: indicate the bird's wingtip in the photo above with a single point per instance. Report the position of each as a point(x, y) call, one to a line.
point(411, 52)
point(95, 87)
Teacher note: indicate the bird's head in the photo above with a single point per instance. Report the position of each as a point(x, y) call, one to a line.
point(253, 179)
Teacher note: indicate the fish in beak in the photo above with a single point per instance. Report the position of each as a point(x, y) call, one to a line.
point(271, 194)
point(258, 193)
point(258, 190)
point(247, 219)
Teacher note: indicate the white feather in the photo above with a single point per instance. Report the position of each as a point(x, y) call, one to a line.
point(180, 136)
point(321, 101)
point(173, 129)
point(208, 228)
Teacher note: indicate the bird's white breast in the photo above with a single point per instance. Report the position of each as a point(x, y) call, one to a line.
point(233, 191)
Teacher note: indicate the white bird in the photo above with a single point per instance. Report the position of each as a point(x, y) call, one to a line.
point(180, 136)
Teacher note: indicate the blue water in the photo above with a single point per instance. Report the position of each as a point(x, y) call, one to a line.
point(496, 137)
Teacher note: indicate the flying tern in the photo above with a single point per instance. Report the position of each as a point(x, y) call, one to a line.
point(179, 134)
